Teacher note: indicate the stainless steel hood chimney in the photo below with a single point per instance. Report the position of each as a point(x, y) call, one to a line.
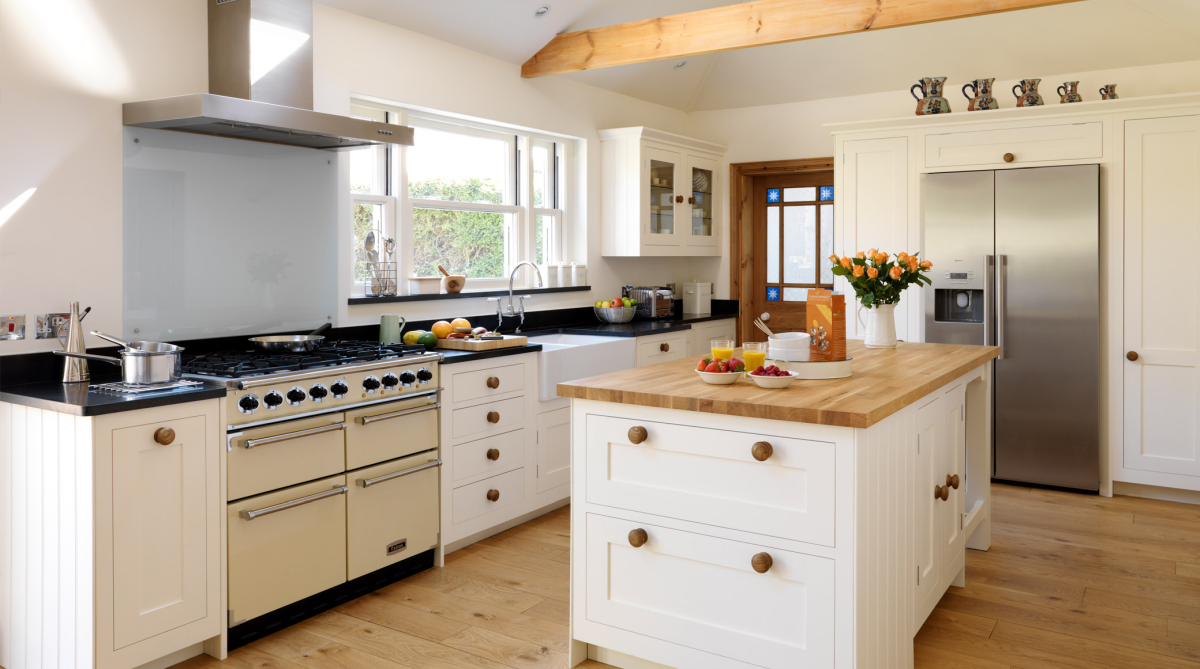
point(260, 83)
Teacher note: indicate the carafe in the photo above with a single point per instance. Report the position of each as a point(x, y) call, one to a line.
point(931, 101)
point(1108, 92)
point(1069, 92)
point(982, 98)
point(1029, 96)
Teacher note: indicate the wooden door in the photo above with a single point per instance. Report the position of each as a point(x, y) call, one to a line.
point(793, 239)
point(1162, 216)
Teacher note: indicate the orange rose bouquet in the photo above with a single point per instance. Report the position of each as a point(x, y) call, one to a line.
point(878, 278)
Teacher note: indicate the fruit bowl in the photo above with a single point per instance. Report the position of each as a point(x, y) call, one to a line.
point(774, 381)
point(615, 314)
point(720, 378)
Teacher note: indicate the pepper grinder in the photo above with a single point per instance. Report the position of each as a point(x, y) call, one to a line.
point(75, 370)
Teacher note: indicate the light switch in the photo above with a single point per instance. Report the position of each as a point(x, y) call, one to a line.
point(12, 326)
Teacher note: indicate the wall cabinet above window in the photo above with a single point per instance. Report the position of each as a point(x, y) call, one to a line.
point(658, 194)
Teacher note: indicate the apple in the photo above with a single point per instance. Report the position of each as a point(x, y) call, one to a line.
point(600, 304)
point(626, 302)
point(616, 303)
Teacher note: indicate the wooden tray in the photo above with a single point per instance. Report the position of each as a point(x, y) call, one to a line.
point(483, 344)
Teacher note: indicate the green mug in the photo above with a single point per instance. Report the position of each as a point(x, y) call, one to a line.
point(391, 327)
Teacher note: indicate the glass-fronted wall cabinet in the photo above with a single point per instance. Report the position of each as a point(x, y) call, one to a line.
point(659, 194)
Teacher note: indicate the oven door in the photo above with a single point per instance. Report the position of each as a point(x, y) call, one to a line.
point(275, 456)
point(392, 512)
point(392, 430)
point(286, 545)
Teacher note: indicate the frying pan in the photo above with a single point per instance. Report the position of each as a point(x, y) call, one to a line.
point(290, 343)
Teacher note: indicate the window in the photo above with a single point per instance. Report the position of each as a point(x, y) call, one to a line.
point(474, 199)
point(799, 236)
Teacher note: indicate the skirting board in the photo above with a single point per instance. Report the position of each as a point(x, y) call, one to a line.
point(621, 660)
point(506, 525)
point(174, 658)
point(1156, 492)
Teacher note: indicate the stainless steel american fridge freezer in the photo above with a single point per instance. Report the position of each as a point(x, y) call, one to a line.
point(1016, 265)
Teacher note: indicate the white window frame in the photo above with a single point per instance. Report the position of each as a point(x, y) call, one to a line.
point(359, 288)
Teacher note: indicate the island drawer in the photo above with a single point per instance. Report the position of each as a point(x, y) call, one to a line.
point(490, 418)
point(487, 382)
point(475, 457)
point(490, 494)
point(708, 593)
point(714, 477)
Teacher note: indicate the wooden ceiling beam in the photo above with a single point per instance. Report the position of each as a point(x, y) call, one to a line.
point(756, 23)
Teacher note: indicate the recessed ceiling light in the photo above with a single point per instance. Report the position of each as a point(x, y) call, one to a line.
point(680, 64)
point(542, 11)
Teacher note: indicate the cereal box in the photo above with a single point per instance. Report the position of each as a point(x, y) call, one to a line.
point(826, 321)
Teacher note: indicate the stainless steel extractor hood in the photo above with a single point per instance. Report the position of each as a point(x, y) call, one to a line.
point(260, 83)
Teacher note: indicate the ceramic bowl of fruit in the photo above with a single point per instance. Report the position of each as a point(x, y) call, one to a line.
point(772, 377)
point(720, 372)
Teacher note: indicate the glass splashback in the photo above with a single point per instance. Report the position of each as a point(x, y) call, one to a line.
point(226, 237)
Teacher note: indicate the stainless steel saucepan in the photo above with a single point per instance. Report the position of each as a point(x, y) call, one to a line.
point(291, 343)
point(141, 362)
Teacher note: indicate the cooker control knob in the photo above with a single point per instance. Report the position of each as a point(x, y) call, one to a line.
point(371, 384)
point(390, 380)
point(318, 392)
point(339, 389)
point(424, 375)
point(273, 399)
point(248, 404)
point(296, 396)
point(407, 378)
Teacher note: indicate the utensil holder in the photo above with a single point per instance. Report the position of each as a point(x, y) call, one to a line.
point(381, 278)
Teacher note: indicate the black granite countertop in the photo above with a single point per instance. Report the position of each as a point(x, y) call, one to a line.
point(636, 328)
point(452, 356)
point(75, 398)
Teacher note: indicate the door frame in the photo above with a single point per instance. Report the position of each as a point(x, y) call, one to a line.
point(741, 213)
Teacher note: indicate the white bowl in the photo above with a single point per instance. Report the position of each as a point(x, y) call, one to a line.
point(774, 381)
point(789, 354)
point(790, 340)
point(719, 378)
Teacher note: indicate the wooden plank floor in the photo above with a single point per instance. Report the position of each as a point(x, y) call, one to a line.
point(1072, 581)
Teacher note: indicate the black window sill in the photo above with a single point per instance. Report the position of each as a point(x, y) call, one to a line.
point(465, 294)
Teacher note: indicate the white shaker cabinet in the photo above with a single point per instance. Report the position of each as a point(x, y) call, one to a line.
point(1162, 221)
point(658, 194)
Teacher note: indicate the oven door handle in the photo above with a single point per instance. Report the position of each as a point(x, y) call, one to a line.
point(367, 483)
point(251, 443)
point(367, 420)
point(246, 514)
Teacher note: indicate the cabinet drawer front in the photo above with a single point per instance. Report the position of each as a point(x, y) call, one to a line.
point(473, 385)
point(702, 592)
point(1027, 145)
point(471, 458)
point(388, 431)
point(276, 456)
point(283, 557)
point(402, 509)
point(471, 500)
point(652, 352)
point(159, 516)
point(709, 476)
point(470, 421)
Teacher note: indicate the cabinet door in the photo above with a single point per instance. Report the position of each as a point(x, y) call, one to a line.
point(928, 509)
point(951, 457)
point(662, 174)
point(874, 213)
point(159, 499)
point(700, 202)
point(1162, 216)
point(553, 449)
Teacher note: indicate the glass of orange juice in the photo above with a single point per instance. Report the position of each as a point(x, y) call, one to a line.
point(722, 349)
point(754, 354)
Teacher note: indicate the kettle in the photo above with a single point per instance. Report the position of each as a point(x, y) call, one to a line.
point(75, 370)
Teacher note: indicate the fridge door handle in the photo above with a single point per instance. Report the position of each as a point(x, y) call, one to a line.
point(989, 266)
point(1001, 264)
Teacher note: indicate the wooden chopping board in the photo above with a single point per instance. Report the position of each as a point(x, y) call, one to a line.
point(483, 344)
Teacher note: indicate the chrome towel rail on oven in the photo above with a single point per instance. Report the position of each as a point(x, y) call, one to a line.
point(367, 420)
point(251, 443)
point(299, 501)
point(367, 483)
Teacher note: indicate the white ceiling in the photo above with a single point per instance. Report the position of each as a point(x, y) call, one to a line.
point(1077, 37)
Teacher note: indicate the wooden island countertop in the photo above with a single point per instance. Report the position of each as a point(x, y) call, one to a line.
point(884, 382)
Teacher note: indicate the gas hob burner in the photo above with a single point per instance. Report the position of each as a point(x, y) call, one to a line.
point(242, 364)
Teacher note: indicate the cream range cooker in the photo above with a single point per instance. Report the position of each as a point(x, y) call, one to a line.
point(332, 476)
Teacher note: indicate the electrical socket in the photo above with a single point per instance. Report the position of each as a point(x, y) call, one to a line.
point(51, 326)
point(12, 326)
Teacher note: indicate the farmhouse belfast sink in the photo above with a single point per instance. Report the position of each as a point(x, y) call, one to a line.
point(566, 357)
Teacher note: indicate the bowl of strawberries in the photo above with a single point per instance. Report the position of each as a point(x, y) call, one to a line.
point(772, 377)
point(719, 372)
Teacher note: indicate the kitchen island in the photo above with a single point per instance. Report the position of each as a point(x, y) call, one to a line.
point(813, 526)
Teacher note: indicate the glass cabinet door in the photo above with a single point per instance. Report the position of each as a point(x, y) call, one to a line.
point(664, 171)
point(700, 204)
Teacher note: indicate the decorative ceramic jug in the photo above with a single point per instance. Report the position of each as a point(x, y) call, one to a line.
point(1108, 92)
point(982, 88)
point(932, 101)
point(880, 331)
point(1029, 96)
point(1069, 92)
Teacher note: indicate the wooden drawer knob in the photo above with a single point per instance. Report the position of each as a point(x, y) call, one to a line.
point(664, 347)
point(493, 382)
point(761, 450)
point(637, 434)
point(761, 562)
point(952, 481)
point(1132, 356)
point(1008, 157)
point(493, 417)
point(679, 198)
point(493, 454)
point(638, 537)
point(942, 493)
point(493, 495)
point(164, 435)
